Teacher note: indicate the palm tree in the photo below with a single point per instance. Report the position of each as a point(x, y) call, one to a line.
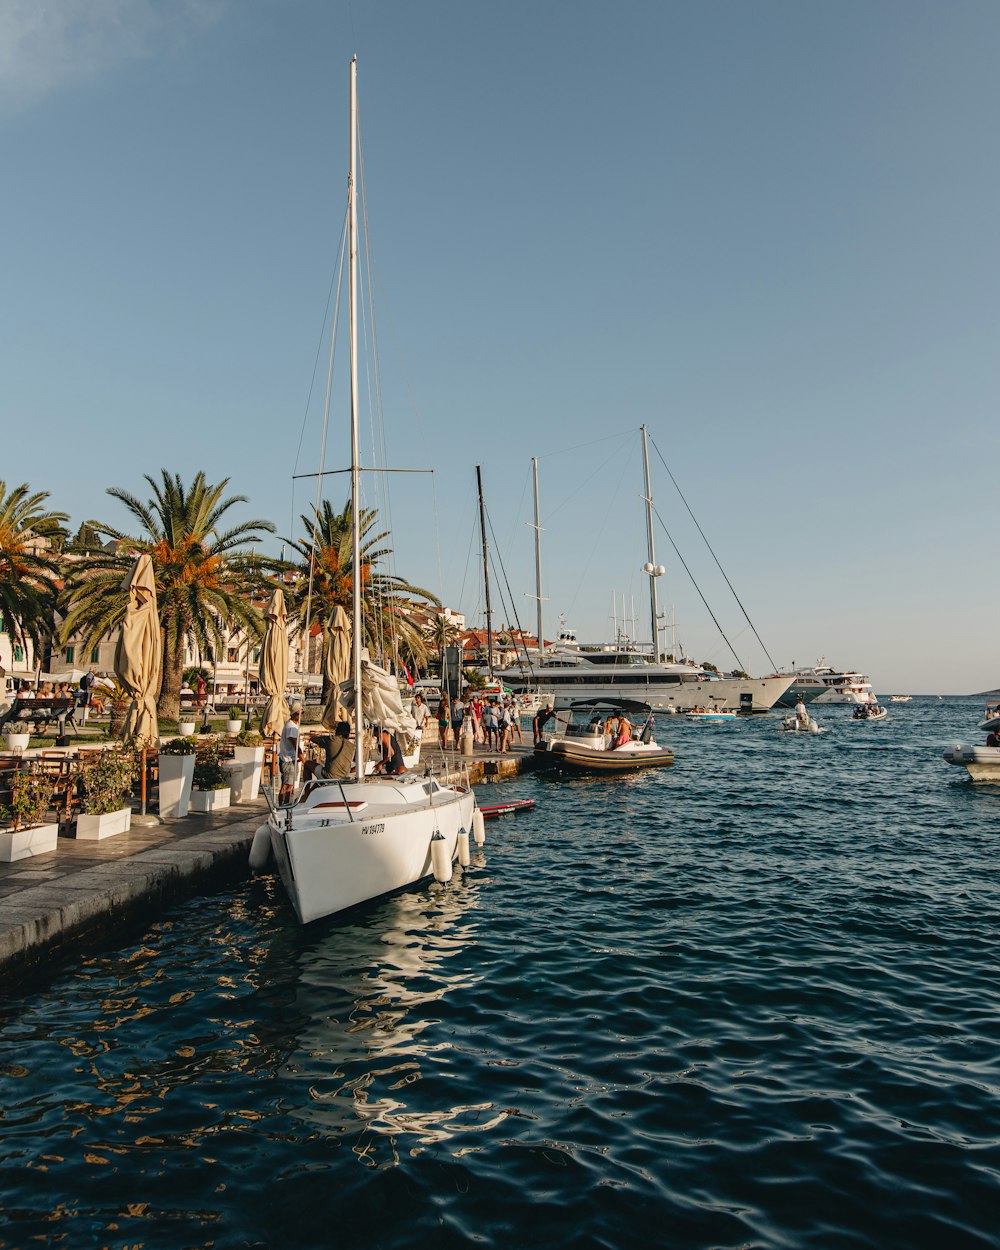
point(204, 575)
point(390, 629)
point(30, 538)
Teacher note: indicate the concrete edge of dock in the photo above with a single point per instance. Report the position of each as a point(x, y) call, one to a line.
point(45, 920)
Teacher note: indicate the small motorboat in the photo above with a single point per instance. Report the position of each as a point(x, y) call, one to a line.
point(714, 715)
point(491, 810)
point(869, 711)
point(792, 724)
point(982, 763)
point(900, 698)
point(585, 745)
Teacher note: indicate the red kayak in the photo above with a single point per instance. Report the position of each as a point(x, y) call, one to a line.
point(506, 809)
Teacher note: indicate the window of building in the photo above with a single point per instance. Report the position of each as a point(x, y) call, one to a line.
point(70, 654)
point(95, 656)
point(233, 655)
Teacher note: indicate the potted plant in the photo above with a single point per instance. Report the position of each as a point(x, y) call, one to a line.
point(105, 782)
point(176, 770)
point(247, 766)
point(233, 725)
point(185, 726)
point(24, 812)
point(18, 736)
point(211, 782)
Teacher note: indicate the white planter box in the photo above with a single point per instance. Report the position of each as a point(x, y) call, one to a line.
point(185, 729)
point(176, 775)
point(93, 828)
point(245, 770)
point(209, 800)
point(233, 727)
point(18, 742)
point(26, 842)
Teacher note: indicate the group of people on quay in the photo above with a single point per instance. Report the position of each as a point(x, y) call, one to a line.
point(493, 722)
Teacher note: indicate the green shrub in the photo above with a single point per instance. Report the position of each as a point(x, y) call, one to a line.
point(30, 795)
point(180, 746)
point(209, 773)
point(107, 779)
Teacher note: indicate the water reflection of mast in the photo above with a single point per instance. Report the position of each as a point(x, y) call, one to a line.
point(365, 1018)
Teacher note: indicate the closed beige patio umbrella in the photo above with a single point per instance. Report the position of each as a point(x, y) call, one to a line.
point(338, 666)
point(274, 666)
point(139, 654)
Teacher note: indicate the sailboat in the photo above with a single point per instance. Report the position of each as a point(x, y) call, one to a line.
point(342, 843)
point(569, 671)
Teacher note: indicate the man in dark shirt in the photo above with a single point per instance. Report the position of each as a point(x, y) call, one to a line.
point(541, 719)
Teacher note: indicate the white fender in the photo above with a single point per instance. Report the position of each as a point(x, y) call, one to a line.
point(440, 859)
point(464, 857)
point(478, 827)
point(260, 848)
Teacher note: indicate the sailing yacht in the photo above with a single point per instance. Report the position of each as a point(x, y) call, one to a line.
point(570, 671)
point(341, 843)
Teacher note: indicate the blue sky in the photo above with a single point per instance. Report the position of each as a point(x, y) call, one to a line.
point(767, 230)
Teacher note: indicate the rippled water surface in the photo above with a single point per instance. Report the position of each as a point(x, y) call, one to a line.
point(749, 1001)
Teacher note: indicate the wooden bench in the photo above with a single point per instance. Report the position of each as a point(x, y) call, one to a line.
point(40, 713)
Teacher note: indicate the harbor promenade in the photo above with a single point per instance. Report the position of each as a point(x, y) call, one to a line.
point(52, 905)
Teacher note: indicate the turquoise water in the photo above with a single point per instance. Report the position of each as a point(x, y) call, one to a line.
point(749, 1001)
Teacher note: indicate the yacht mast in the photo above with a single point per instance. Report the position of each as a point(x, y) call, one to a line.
point(651, 567)
point(352, 243)
point(486, 574)
point(538, 562)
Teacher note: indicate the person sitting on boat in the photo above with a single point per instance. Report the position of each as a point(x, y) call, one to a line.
point(338, 758)
point(624, 732)
point(992, 740)
point(801, 715)
point(391, 764)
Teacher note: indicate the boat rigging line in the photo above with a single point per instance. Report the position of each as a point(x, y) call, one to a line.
point(774, 666)
point(700, 595)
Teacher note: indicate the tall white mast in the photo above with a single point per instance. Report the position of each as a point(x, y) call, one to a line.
point(538, 562)
point(352, 244)
point(651, 567)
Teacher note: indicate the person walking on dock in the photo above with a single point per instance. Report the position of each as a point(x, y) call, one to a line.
point(443, 720)
point(457, 717)
point(490, 726)
point(420, 714)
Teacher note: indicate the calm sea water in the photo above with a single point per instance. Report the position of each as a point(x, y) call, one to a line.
point(750, 1001)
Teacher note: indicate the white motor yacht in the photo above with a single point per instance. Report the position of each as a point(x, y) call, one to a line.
point(822, 684)
point(574, 671)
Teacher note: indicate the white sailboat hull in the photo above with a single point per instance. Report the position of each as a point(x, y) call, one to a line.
point(331, 858)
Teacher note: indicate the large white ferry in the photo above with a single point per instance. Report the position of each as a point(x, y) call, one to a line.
point(571, 671)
